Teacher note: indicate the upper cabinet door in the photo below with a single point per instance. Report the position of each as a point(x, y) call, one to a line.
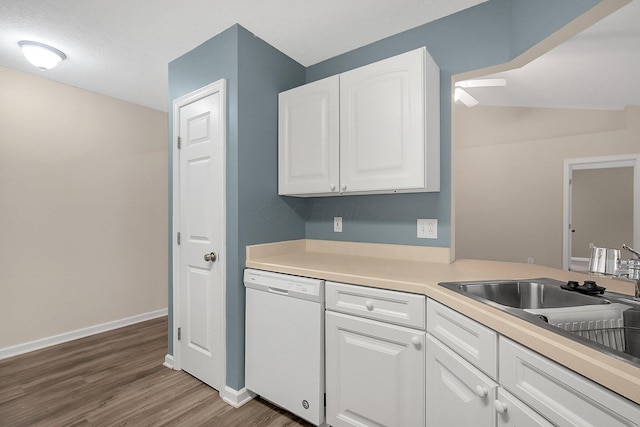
point(382, 126)
point(308, 139)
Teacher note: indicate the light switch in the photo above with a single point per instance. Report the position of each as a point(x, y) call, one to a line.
point(337, 224)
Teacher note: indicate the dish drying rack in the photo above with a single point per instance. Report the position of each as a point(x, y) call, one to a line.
point(609, 336)
point(603, 324)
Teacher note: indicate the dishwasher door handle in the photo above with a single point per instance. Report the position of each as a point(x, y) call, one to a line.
point(278, 291)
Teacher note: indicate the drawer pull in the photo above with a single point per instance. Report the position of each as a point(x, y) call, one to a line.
point(369, 305)
point(481, 391)
point(500, 406)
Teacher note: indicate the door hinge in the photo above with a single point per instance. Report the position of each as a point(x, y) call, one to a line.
point(178, 237)
point(179, 143)
point(179, 334)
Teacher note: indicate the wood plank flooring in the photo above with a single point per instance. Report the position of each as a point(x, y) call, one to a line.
point(115, 379)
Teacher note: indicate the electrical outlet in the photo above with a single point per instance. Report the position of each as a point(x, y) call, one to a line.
point(337, 224)
point(530, 260)
point(427, 228)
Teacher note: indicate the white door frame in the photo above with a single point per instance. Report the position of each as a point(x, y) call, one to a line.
point(624, 160)
point(218, 86)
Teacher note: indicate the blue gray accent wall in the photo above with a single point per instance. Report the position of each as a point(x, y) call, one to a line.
point(488, 34)
point(255, 74)
point(491, 33)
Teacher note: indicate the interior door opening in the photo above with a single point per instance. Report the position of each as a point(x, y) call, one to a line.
point(600, 208)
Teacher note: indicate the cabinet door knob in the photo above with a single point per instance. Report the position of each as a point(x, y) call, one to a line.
point(501, 407)
point(333, 187)
point(344, 187)
point(481, 391)
point(369, 305)
point(415, 341)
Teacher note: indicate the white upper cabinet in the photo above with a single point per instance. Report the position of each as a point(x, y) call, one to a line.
point(382, 125)
point(308, 138)
point(387, 137)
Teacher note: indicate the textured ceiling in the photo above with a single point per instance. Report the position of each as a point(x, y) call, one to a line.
point(121, 48)
point(596, 69)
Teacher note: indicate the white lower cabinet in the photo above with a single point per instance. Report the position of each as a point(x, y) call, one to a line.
point(559, 394)
point(511, 412)
point(374, 372)
point(458, 394)
point(383, 369)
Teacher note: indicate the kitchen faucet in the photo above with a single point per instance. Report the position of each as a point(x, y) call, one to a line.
point(607, 262)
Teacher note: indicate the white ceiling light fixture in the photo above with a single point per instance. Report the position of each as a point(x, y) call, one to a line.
point(41, 55)
point(462, 96)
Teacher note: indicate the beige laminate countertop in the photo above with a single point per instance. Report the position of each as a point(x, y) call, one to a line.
point(420, 269)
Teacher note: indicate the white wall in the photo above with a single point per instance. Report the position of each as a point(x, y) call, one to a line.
point(83, 209)
point(508, 174)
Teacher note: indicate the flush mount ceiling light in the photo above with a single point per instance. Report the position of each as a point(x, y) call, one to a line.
point(41, 55)
point(462, 96)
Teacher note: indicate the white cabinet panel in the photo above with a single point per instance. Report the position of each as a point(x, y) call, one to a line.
point(473, 341)
point(511, 412)
point(374, 372)
point(402, 308)
point(559, 394)
point(382, 125)
point(308, 138)
point(457, 393)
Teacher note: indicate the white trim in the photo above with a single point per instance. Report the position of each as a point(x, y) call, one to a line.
point(203, 92)
point(168, 361)
point(77, 334)
point(618, 161)
point(236, 398)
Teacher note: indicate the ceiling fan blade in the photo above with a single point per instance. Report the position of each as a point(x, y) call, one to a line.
point(482, 83)
point(460, 95)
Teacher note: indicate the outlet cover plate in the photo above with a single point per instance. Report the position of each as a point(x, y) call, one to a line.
point(427, 228)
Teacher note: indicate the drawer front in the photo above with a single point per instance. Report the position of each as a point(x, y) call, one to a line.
point(559, 394)
point(379, 304)
point(474, 342)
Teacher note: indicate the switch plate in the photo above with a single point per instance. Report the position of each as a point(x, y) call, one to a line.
point(427, 228)
point(337, 224)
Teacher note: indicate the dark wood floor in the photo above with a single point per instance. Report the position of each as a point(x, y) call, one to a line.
point(116, 379)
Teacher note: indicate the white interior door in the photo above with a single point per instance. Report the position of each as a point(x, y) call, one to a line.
point(200, 251)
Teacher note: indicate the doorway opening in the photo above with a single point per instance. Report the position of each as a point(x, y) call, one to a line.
point(601, 206)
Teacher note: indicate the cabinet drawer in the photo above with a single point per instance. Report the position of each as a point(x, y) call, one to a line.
point(474, 342)
point(559, 394)
point(389, 306)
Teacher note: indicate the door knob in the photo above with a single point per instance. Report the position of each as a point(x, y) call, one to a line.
point(210, 257)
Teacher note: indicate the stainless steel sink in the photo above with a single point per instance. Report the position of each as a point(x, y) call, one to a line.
point(540, 293)
point(608, 322)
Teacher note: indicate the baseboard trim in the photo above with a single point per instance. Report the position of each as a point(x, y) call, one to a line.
point(78, 333)
point(168, 361)
point(236, 398)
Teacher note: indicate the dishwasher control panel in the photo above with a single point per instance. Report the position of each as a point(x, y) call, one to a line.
point(282, 284)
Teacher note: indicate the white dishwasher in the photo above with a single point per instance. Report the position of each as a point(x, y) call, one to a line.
point(284, 342)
